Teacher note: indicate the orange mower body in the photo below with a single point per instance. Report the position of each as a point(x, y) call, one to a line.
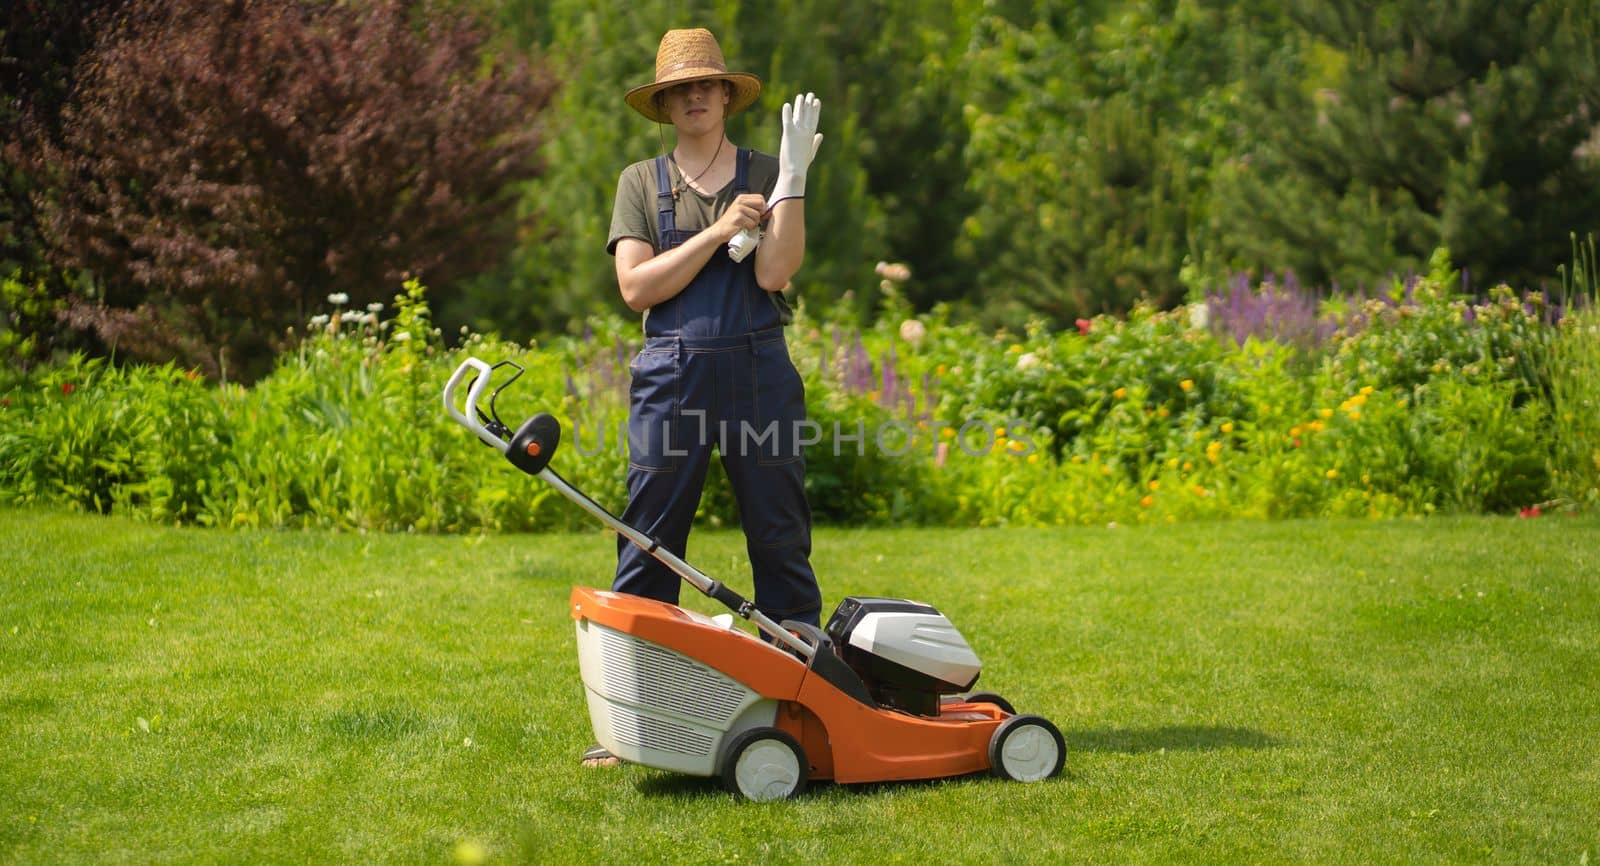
point(693, 683)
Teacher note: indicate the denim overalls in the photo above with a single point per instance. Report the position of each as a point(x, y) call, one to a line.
point(715, 370)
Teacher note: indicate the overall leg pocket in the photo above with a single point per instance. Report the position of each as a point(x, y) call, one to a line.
point(653, 412)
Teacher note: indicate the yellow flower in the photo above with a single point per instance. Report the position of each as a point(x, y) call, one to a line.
point(1120, 393)
point(1076, 458)
point(942, 369)
point(1015, 349)
point(1332, 474)
point(1325, 412)
point(1187, 466)
point(1154, 484)
point(1147, 501)
point(1354, 414)
point(1187, 384)
point(1198, 490)
point(1017, 446)
point(1227, 427)
point(1000, 433)
point(1315, 426)
point(1105, 470)
point(1162, 412)
point(1172, 463)
point(1294, 431)
point(948, 432)
point(1366, 390)
point(1033, 458)
point(1359, 399)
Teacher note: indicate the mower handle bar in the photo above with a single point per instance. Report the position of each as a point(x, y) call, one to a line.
point(693, 576)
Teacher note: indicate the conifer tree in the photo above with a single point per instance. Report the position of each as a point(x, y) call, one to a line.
point(1411, 125)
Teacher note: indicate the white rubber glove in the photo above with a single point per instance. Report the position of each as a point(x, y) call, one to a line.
point(796, 150)
point(799, 145)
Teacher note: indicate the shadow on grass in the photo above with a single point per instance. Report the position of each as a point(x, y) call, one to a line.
point(664, 784)
point(699, 788)
point(1170, 738)
point(1131, 741)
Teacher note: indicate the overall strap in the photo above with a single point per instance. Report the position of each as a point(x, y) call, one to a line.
point(741, 171)
point(666, 212)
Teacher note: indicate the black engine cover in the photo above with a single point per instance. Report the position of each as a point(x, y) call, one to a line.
point(891, 684)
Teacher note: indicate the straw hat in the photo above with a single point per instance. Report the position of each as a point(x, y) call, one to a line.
point(692, 55)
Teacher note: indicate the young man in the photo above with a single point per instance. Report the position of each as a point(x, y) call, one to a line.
point(714, 370)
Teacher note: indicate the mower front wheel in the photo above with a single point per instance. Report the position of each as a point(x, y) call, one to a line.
point(764, 764)
point(1027, 749)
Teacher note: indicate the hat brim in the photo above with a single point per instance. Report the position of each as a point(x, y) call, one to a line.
point(746, 89)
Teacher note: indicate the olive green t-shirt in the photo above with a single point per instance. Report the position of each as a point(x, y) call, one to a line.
point(634, 214)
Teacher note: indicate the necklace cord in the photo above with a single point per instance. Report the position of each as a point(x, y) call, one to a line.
point(689, 180)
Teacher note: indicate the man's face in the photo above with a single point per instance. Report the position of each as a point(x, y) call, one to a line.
point(697, 106)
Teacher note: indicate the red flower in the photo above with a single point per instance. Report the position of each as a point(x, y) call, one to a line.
point(1297, 443)
point(68, 387)
point(1083, 326)
point(1532, 511)
point(5, 402)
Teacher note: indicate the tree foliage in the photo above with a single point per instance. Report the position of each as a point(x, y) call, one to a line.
point(1405, 127)
point(1026, 158)
point(222, 166)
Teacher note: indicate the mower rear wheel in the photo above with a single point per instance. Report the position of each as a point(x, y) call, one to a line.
point(1027, 749)
point(990, 698)
point(764, 764)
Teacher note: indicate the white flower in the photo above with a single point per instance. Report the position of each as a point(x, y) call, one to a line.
point(338, 299)
point(1027, 360)
point(319, 321)
point(375, 307)
point(402, 336)
point(912, 331)
point(894, 271)
point(1199, 315)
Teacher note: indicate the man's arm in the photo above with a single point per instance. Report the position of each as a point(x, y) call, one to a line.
point(783, 249)
point(647, 279)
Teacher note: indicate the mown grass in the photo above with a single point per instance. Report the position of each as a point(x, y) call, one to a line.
point(1324, 692)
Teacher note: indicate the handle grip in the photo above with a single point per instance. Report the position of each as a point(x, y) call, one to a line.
point(469, 419)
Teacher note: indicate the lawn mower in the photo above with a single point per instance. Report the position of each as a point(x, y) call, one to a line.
point(880, 693)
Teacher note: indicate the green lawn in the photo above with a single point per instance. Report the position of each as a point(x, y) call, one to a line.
point(1347, 692)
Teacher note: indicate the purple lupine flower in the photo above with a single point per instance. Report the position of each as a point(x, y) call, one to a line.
point(861, 368)
point(887, 392)
point(1284, 312)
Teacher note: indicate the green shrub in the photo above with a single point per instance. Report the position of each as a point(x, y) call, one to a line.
point(1421, 405)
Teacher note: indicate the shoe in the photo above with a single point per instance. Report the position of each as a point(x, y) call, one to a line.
point(597, 756)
